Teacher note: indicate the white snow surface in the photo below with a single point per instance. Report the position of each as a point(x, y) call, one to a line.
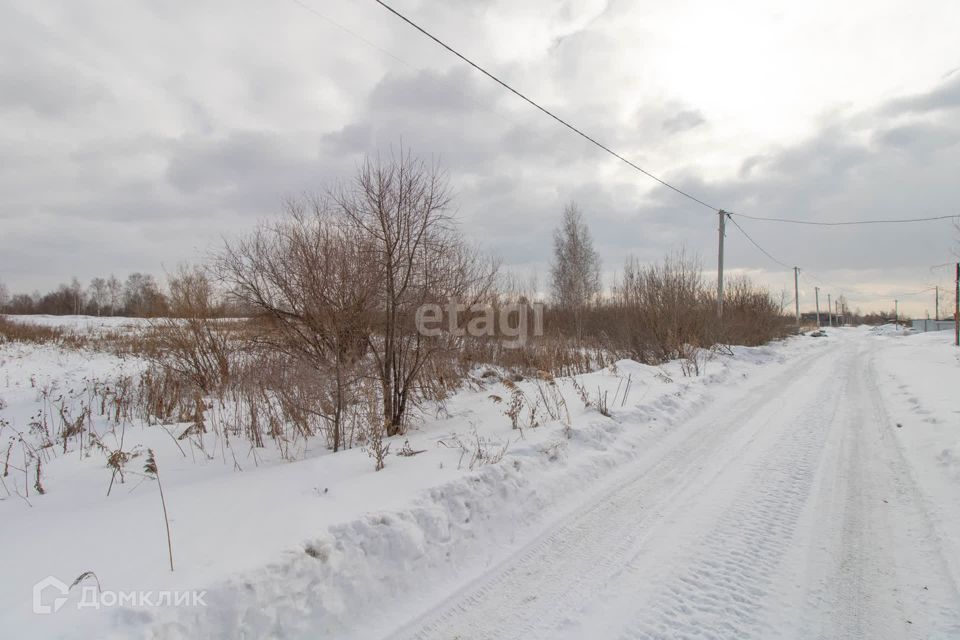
point(804, 489)
point(83, 324)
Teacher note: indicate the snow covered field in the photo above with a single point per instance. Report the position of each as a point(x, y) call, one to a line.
point(806, 489)
point(84, 324)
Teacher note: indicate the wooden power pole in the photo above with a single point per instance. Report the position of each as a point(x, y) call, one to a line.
point(722, 233)
point(816, 298)
point(796, 294)
point(829, 311)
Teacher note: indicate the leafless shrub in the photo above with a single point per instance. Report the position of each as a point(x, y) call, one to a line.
point(582, 393)
point(477, 451)
point(515, 407)
point(554, 402)
point(375, 446)
point(399, 207)
point(312, 279)
point(193, 341)
point(693, 359)
point(603, 406)
point(663, 307)
point(28, 332)
point(751, 316)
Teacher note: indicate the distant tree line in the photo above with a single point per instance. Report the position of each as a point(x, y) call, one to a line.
point(140, 295)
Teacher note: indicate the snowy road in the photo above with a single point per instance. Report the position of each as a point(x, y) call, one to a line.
point(787, 509)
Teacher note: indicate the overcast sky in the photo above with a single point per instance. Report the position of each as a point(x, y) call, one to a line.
point(134, 134)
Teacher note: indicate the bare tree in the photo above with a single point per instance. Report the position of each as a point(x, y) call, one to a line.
point(575, 270)
point(21, 303)
point(114, 293)
point(4, 296)
point(400, 204)
point(76, 296)
point(666, 307)
point(191, 341)
point(340, 281)
point(97, 292)
point(142, 296)
point(311, 278)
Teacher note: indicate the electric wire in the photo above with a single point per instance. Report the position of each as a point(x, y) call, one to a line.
point(842, 223)
point(608, 150)
point(533, 103)
point(620, 157)
point(911, 293)
point(757, 245)
point(353, 33)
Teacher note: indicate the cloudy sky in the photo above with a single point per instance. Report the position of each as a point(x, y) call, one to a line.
point(135, 134)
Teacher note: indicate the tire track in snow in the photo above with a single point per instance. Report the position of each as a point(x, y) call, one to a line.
point(727, 587)
point(876, 566)
point(539, 591)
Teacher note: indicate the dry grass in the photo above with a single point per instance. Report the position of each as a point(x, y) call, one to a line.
point(26, 332)
point(211, 382)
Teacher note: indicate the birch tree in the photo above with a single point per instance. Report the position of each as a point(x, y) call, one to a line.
point(575, 270)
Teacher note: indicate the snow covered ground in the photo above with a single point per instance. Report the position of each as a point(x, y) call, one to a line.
point(83, 324)
point(806, 489)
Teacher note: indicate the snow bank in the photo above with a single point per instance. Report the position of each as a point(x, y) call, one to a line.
point(920, 378)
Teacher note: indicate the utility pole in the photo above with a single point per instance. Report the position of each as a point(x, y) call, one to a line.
point(936, 315)
point(829, 311)
point(816, 297)
point(896, 313)
point(722, 233)
point(796, 293)
point(956, 310)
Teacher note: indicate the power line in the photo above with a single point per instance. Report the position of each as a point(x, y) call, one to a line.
point(804, 273)
point(914, 293)
point(754, 243)
point(356, 35)
point(845, 222)
point(616, 155)
point(541, 108)
point(385, 52)
point(825, 282)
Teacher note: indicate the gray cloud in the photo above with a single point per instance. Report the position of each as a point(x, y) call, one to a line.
point(48, 92)
point(919, 137)
point(945, 96)
point(683, 121)
point(36, 76)
point(453, 91)
point(130, 145)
